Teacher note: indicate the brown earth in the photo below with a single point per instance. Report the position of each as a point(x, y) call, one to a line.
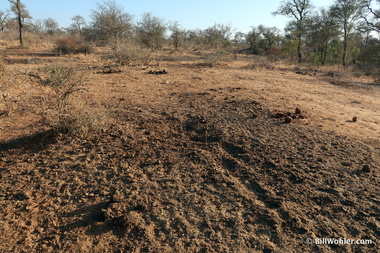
point(193, 159)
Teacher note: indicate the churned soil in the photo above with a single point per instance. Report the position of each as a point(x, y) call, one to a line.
point(194, 159)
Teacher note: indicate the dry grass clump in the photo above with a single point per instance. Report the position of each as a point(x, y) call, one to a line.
point(214, 59)
point(376, 76)
point(262, 65)
point(7, 80)
point(58, 109)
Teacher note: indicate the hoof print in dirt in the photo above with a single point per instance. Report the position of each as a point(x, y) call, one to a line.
point(20, 196)
point(159, 72)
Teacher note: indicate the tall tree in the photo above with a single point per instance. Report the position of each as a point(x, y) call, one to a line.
point(347, 12)
point(22, 14)
point(299, 10)
point(322, 29)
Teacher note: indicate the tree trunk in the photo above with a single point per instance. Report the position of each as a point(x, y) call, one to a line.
point(299, 53)
point(344, 56)
point(20, 25)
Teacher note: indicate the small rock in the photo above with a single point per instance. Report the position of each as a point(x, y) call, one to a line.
point(354, 119)
point(288, 119)
point(366, 168)
point(298, 111)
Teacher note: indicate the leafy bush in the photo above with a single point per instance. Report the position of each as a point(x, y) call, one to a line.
point(73, 44)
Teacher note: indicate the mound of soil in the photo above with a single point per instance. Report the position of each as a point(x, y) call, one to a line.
point(226, 176)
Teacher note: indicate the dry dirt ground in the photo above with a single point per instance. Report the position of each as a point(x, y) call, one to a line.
point(193, 160)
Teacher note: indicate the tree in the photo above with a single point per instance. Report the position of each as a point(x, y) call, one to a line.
point(151, 31)
point(322, 29)
point(298, 9)
point(22, 14)
point(270, 35)
point(51, 26)
point(347, 12)
point(177, 33)
point(218, 35)
point(372, 17)
point(3, 20)
point(78, 23)
point(110, 24)
point(253, 38)
point(37, 26)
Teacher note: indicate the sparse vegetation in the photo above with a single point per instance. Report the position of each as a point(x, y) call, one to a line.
point(74, 44)
point(57, 109)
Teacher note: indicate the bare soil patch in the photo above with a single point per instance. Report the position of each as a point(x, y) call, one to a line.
point(195, 160)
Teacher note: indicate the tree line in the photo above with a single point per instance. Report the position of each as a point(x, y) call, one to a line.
point(346, 32)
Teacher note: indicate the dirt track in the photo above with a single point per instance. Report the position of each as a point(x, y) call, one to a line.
point(197, 160)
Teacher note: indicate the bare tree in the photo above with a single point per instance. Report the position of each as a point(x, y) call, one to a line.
point(22, 14)
point(3, 20)
point(298, 9)
point(347, 12)
point(372, 16)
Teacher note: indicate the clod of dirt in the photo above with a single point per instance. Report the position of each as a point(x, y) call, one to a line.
point(117, 198)
point(354, 119)
point(366, 168)
point(288, 119)
point(298, 111)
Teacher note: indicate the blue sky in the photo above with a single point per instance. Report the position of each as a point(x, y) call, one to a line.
point(241, 15)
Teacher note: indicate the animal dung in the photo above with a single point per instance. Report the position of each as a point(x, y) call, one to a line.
point(354, 119)
point(288, 119)
point(160, 72)
point(366, 168)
